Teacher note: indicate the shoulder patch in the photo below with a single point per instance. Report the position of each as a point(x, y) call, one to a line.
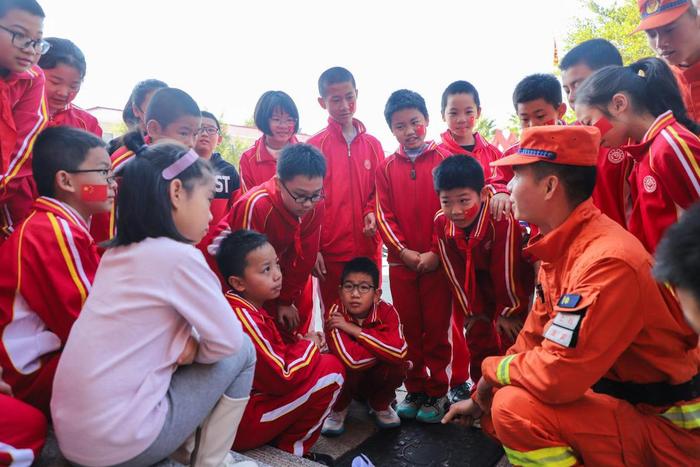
point(570, 300)
point(564, 329)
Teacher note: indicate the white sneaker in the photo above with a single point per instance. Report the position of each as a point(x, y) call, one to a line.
point(334, 425)
point(387, 418)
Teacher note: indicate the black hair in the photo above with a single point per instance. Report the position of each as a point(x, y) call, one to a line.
point(268, 102)
point(59, 148)
point(65, 52)
point(678, 253)
point(211, 116)
point(594, 53)
point(166, 106)
point(649, 83)
point(300, 159)
point(334, 75)
point(404, 99)
point(143, 203)
point(234, 249)
point(578, 181)
point(137, 97)
point(458, 172)
point(459, 87)
point(30, 6)
point(361, 264)
point(538, 86)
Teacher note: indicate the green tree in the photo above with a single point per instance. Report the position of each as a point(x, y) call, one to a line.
point(231, 148)
point(486, 127)
point(513, 125)
point(614, 23)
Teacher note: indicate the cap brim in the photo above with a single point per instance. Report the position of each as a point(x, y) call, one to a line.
point(515, 159)
point(662, 19)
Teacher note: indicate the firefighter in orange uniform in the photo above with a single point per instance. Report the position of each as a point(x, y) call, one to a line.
point(605, 370)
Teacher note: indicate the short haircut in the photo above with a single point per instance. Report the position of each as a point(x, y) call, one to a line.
point(594, 53)
point(678, 253)
point(538, 86)
point(267, 104)
point(59, 148)
point(211, 116)
point(361, 264)
point(459, 172)
point(404, 99)
point(137, 97)
point(65, 52)
point(169, 104)
point(459, 87)
point(300, 159)
point(578, 181)
point(334, 75)
point(234, 249)
point(30, 6)
point(143, 202)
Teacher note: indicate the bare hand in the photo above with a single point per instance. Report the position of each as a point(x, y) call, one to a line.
point(410, 258)
point(509, 326)
point(189, 352)
point(463, 413)
point(288, 316)
point(335, 321)
point(429, 262)
point(318, 339)
point(370, 227)
point(500, 205)
point(4, 387)
point(319, 269)
point(483, 396)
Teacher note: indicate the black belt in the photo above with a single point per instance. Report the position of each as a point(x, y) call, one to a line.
point(657, 394)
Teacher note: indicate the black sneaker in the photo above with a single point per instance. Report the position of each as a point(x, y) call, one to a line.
point(323, 459)
point(460, 393)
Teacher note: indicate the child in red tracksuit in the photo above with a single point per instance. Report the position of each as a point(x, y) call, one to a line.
point(295, 385)
point(406, 205)
point(22, 429)
point(64, 67)
point(22, 107)
point(352, 156)
point(365, 333)
point(665, 179)
point(276, 115)
point(171, 115)
point(491, 282)
point(286, 208)
point(50, 261)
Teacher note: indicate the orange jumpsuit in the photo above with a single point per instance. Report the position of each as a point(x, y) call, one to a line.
point(689, 84)
point(600, 326)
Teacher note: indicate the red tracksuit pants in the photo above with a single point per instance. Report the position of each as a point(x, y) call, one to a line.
point(22, 432)
point(376, 385)
point(36, 389)
point(460, 353)
point(15, 204)
point(424, 304)
point(292, 421)
point(594, 430)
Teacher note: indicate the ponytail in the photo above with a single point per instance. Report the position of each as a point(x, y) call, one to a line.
point(649, 83)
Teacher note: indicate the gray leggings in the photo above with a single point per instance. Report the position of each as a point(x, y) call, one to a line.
point(194, 391)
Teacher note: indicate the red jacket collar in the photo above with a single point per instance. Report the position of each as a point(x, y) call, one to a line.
point(261, 152)
point(370, 319)
point(638, 151)
point(335, 127)
point(61, 209)
point(31, 73)
point(479, 226)
point(431, 146)
point(449, 141)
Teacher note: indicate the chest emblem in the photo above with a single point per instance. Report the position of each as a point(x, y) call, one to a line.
point(616, 156)
point(649, 184)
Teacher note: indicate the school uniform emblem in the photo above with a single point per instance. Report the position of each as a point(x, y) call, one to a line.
point(652, 7)
point(649, 184)
point(368, 164)
point(616, 156)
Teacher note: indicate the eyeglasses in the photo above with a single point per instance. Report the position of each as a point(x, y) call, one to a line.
point(23, 42)
point(208, 130)
point(363, 288)
point(106, 173)
point(313, 199)
point(286, 121)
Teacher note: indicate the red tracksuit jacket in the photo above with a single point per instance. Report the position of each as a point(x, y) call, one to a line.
point(406, 200)
point(281, 366)
point(689, 84)
point(257, 164)
point(485, 267)
point(76, 117)
point(50, 263)
point(295, 240)
point(665, 179)
point(349, 189)
point(484, 153)
point(381, 339)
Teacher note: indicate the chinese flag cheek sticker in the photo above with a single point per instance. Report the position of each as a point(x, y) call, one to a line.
point(93, 193)
point(420, 130)
point(603, 124)
point(472, 211)
point(351, 107)
point(470, 121)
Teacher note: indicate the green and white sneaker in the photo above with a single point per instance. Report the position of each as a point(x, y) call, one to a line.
point(408, 408)
point(432, 410)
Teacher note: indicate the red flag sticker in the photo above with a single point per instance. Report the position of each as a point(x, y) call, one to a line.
point(93, 193)
point(472, 211)
point(550, 123)
point(470, 121)
point(603, 124)
point(420, 130)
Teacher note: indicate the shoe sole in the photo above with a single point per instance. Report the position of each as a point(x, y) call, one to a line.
point(332, 433)
point(429, 420)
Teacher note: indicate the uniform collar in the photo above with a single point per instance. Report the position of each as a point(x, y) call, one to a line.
point(478, 227)
point(430, 146)
point(337, 129)
point(448, 140)
point(61, 209)
point(261, 152)
point(638, 151)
